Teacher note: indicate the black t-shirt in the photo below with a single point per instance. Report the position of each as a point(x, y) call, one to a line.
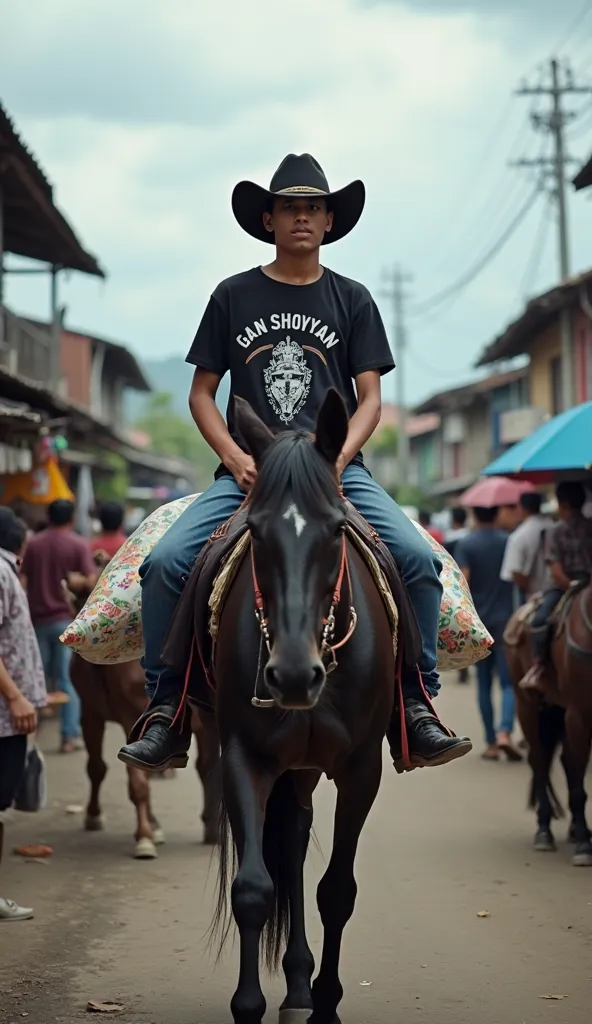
point(285, 345)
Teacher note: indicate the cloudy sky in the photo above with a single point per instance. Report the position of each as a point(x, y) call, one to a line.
point(145, 113)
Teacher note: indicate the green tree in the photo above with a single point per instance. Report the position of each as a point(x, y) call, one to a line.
point(171, 434)
point(384, 441)
point(114, 484)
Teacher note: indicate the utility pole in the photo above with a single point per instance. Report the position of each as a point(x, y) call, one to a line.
point(395, 292)
point(560, 84)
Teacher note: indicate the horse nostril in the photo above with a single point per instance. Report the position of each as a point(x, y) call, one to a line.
point(318, 676)
point(270, 676)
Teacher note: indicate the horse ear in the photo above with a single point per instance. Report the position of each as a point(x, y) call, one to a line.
point(332, 426)
point(253, 431)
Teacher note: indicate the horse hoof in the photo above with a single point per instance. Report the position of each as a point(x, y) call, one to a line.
point(582, 858)
point(158, 837)
point(544, 841)
point(94, 823)
point(145, 849)
point(294, 1016)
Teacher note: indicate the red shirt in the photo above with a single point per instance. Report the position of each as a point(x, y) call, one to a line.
point(436, 534)
point(110, 543)
point(49, 557)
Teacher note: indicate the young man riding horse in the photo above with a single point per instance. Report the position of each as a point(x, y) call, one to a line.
point(569, 558)
point(287, 332)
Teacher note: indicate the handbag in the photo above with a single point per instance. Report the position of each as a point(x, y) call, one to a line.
point(32, 792)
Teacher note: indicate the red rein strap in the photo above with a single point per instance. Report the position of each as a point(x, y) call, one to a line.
point(256, 587)
point(343, 568)
point(343, 572)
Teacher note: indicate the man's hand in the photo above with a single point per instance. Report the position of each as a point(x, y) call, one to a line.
point(23, 714)
point(243, 469)
point(341, 464)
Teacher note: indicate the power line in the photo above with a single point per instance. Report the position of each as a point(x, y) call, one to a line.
point(560, 83)
point(395, 281)
point(577, 21)
point(554, 123)
point(439, 371)
point(469, 276)
point(533, 264)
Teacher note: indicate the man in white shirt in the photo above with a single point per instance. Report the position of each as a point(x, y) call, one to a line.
point(524, 560)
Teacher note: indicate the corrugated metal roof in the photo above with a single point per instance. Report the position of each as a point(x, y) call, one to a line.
point(457, 396)
point(538, 314)
point(33, 225)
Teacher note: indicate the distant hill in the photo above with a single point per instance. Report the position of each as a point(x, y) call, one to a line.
point(174, 375)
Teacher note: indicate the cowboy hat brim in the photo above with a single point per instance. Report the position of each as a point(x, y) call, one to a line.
point(250, 201)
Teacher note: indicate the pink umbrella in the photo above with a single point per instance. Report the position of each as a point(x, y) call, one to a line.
point(493, 491)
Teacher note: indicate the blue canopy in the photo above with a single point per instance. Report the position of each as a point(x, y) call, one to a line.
point(562, 444)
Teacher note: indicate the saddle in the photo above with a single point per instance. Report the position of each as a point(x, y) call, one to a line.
point(195, 620)
point(559, 615)
point(521, 620)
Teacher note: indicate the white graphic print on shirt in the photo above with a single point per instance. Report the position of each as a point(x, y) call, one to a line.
point(287, 379)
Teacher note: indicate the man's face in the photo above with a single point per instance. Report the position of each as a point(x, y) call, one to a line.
point(299, 224)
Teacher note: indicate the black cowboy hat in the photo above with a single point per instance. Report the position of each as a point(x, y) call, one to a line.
point(298, 176)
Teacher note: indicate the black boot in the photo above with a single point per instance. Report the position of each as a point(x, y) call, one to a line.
point(430, 743)
point(160, 738)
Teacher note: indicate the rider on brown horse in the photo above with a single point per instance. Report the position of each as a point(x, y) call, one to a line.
point(569, 558)
point(287, 332)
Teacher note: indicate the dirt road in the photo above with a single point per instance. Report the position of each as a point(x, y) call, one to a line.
point(440, 846)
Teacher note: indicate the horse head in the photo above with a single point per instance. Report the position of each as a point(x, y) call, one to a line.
point(296, 517)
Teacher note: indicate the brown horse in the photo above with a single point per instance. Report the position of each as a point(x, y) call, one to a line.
point(115, 693)
point(284, 722)
point(562, 718)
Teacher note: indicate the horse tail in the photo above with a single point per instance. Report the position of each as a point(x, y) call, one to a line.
point(551, 732)
point(281, 808)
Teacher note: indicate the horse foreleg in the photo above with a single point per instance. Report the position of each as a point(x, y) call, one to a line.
point(246, 792)
point(578, 739)
point(139, 794)
point(298, 961)
point(208, 768)
point(93, 732)
point(357, 787)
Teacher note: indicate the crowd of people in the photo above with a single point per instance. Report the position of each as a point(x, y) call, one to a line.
point(37, 572)
point(507, 556)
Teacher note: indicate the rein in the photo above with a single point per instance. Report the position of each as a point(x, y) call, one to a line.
point(328, 646)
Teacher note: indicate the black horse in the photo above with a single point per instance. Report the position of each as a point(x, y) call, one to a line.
point(303, 604)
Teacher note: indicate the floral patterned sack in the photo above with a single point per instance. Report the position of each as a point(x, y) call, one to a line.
point(108, 630)
point(462, 637)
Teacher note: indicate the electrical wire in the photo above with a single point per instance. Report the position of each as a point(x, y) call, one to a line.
point(446, 374)
point(492, 200)
point(575, 25)
point(469, 276)
point(533, 264)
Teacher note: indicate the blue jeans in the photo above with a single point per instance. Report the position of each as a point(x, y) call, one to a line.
point(485, 673)
point(56, 664)
point(173, 556)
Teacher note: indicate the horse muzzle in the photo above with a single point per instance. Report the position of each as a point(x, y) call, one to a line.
point(295, 687)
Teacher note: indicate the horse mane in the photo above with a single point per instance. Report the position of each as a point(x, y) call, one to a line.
point(293, 462)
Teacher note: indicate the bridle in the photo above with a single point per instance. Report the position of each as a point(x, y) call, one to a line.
point(328, 646)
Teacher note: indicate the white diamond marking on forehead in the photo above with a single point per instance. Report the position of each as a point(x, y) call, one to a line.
point(298, 519)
